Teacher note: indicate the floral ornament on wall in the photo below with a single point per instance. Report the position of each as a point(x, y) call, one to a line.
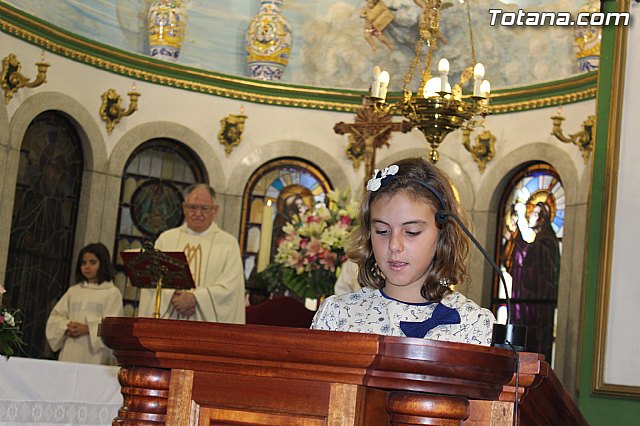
point(111, 110)
point(230, 134)
point(483, 150)
point(313, 249)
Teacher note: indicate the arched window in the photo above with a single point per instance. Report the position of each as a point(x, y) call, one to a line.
point(151, 200)
point(292, 185)
point(43, 224)
point(530, 247)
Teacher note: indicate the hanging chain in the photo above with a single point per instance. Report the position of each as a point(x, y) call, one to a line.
point(467, 73)
point(473, 46)
point(428, 26)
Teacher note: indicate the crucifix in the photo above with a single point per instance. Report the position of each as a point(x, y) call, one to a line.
point(371, 130)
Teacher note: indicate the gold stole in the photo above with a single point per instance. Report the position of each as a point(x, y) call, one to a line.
point(194, 257)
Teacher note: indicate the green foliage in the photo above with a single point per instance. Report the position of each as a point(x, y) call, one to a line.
point(269, 280)
point(313, 285)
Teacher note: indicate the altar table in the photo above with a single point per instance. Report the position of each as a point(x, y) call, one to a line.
point(45, 392)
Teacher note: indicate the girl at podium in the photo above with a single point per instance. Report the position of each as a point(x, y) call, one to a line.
point(72, 327)
point(409, 253)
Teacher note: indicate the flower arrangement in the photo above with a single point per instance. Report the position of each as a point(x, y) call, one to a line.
point(312, 251)
point(10, 334)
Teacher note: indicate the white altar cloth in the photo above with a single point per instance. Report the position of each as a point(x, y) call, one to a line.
point(44, 392)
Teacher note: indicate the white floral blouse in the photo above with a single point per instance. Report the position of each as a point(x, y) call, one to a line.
point(369, 310)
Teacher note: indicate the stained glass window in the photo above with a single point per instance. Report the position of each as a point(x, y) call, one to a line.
point(293, 186)
point(43, 224)
point(531, 227)
point(151, 200)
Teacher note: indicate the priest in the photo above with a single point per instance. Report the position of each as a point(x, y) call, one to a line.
point(214, 260)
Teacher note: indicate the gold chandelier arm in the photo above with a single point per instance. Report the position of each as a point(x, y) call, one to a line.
point(466, 75)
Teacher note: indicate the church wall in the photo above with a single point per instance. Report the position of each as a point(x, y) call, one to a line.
point(609, 391)
point(274, 131)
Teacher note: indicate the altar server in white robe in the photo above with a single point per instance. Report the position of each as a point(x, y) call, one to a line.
point(347, 281)
point(72, 326)
point(215, 263)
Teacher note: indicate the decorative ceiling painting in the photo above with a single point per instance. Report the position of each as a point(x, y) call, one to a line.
point(332, 43)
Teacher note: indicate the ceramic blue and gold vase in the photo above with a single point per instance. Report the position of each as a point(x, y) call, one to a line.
point(167, 21)
point(268, 42)
point(587, 40)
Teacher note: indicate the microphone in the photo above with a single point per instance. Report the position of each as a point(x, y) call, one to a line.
point(506, 336)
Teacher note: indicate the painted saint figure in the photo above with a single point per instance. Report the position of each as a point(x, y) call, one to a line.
point(534, 265)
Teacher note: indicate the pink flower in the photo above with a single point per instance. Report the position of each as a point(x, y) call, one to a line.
point(295, 260)
point(312, 219)
point(303, 243)
point(345, 220)
point(328, 260)
point(315, 246)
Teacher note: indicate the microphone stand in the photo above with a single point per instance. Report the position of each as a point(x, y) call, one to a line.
point(505, 336)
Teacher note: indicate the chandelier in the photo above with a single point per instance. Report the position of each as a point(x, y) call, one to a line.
point(437, 108)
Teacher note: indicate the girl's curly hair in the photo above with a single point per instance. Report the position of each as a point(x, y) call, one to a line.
point(452, 247)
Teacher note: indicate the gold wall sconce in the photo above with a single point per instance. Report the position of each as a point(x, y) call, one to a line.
point(13, 79)
point(111, 110)
point(483, 150)
point(231, 128)
point(583, 139)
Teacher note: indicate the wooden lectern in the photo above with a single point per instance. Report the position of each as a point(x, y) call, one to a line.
point(195, 373)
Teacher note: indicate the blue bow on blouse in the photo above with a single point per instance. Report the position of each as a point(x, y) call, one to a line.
point(441, 315)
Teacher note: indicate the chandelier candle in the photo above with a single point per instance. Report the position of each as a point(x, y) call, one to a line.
point(478, 75)
point(383, 79)
point(443, 69)
point(375, 82)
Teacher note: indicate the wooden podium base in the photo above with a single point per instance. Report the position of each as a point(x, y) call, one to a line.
point(193, 373)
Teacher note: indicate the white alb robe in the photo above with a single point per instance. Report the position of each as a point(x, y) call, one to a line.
point(87, 304)
point(347, 281)
point(216, 265)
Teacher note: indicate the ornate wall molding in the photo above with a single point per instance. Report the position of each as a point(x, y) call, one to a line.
point(53, 39)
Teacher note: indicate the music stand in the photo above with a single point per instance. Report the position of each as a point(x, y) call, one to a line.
point(151, 268)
